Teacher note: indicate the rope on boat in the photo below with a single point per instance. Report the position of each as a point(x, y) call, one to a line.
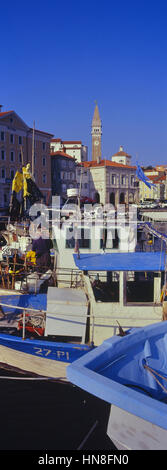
point(154, 373)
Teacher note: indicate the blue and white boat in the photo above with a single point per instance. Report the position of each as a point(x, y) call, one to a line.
point(130, 373)
point(52, 331)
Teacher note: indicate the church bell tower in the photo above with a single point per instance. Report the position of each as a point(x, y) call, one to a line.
point(96, 135)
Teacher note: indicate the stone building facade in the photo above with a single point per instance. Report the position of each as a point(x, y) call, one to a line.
point(111, 182)
point(63, 174)
point(16, 143)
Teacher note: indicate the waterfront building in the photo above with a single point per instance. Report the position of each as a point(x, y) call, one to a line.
point(18, 142)
point(111, 182)
point(74, 148)
point(63, 174)
point(83, 180)
point(158, 184)
point(121, 157)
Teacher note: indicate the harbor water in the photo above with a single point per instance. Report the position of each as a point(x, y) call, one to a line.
point(41, 414)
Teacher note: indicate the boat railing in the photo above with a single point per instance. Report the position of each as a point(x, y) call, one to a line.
point(30, 311)
point(13, 272)
point(95, 319)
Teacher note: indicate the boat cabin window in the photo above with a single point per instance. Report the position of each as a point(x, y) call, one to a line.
point(105, 286)
point(109, 239)
point(139, 286)
point(83, 237)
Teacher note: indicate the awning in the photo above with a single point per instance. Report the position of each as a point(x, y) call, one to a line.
point(132, 261)
point(160, 216)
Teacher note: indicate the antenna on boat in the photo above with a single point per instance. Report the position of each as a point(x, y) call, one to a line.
point(121, 331)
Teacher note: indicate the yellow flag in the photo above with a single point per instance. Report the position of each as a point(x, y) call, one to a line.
point(31, 256)
point(17, 183)
point(26, 175)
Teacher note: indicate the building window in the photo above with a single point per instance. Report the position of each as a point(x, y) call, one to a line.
point(19, 158)
point(2, 154)
point(112, 199)
point(5, 198)
point(44, 161)
point(122, 198)
point(2, 135)
point(43, 145)
point(11, 138)
point(12, 173)
point(3, 173)
point(63, 175)
point(132, 180)
point(97, 197)
point(113, 179)
point(44, 178)
point(123, 179)
point(20, 140)
point(84, 237)
point(12, 156)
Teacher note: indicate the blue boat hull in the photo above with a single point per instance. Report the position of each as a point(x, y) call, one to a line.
point(47, 358)
point(39, 356)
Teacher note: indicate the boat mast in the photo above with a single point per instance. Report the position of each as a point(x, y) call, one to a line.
point(33, 140)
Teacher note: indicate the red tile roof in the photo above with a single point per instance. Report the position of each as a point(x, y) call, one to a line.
point(93, 163)
point(157, 178)
point(62, 154)
point(5, 112)
point(121, 154)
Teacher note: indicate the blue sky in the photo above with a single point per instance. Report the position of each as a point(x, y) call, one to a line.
point(57, 58)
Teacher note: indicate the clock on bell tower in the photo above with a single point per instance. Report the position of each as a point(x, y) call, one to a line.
point(96, 135)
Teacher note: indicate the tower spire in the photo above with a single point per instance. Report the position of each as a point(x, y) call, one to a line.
point(96, 134)
point(96, 121)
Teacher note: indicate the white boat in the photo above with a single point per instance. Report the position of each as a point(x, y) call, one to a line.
point(130, 373)
point(132, 283)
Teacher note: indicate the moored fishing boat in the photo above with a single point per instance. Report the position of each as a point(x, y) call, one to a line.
point(130, 373)
point(42, 333)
